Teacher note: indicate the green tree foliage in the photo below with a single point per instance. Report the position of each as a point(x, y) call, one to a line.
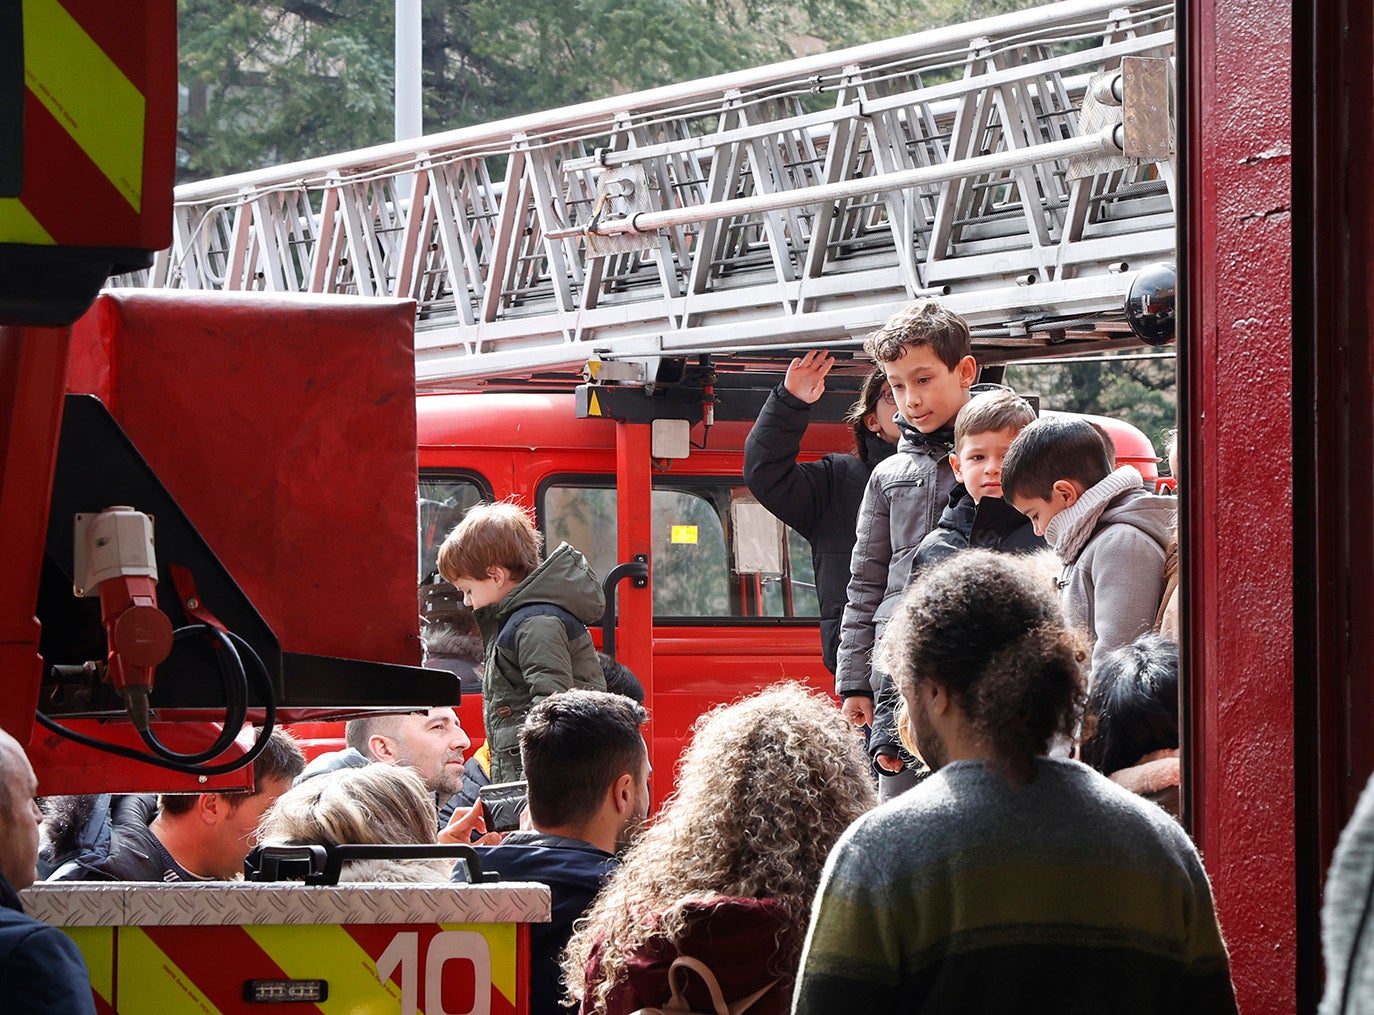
point(274, 81)
point(279, 81)
point(550, 54)
point(902, 17)
point(1141, 391)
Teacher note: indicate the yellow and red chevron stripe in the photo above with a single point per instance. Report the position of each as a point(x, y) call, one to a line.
point(98, 125)
point(97, 947)
point(170, 970)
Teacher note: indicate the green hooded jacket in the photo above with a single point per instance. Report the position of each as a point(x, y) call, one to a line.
point(546, 650)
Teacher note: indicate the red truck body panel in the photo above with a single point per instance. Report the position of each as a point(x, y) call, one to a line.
point(258, 415)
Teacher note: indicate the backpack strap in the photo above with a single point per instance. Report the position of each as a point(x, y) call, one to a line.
point(574, 628)
point(678, 985)
point(745, 1004)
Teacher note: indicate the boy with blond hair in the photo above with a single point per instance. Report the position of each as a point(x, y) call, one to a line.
point(927, 356)
point(975, 516)
point(533, 617)
point(1110, 535)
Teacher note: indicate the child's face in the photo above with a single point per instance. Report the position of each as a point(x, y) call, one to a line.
point(1041, 512)
point(929, 394)
point(978, 462)
point(479, 592)
point(880, 421)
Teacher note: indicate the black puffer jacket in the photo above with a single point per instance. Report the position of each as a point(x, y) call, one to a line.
point(819, 499)
point(136, 853)
point(991, 524)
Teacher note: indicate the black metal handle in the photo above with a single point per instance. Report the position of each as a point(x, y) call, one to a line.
point(321, 865)
point(638, 571)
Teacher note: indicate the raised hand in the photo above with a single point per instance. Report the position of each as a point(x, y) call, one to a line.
point(806, 376)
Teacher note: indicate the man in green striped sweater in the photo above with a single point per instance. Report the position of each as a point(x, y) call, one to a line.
point(1007, 881)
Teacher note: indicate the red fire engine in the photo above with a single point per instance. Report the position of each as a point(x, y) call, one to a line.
point(1273, 126)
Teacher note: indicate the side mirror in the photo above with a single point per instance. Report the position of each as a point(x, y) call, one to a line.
point(1150, 304)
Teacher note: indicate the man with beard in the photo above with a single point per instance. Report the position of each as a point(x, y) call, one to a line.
point(1008, 880)
point(431, 742)
point(588, 773)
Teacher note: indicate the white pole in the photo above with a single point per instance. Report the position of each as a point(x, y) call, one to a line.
point(408, 110)
point(408, 119)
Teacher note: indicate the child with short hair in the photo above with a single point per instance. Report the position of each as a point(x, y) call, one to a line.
point(1110, 534)
point(927, 355)
point(975, 516)
point(533, 617)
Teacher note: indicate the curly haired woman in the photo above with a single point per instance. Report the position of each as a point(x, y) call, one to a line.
point(727, 872)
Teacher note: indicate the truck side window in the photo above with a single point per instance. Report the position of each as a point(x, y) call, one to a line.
point(691, 559)
point(801, 580)
point(691, 570)
point(447, 628)
point(444, 499)
point(693, 578)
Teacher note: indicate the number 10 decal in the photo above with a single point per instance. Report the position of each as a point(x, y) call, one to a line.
point(444, 947)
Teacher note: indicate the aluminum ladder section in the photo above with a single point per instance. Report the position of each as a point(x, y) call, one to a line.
point(798, 203)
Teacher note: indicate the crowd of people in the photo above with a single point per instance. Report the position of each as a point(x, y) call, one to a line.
point(987, 822)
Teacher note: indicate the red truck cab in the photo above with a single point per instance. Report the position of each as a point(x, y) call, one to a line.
point(718, 632)
point(720, 629)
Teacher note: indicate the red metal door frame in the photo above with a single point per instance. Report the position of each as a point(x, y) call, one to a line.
point(1279, 252)
point(635, 534)
point(1238, 535)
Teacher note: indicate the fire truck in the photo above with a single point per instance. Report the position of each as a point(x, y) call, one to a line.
point(651, 262)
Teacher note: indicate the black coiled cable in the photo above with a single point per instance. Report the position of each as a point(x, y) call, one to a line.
point(230, 650)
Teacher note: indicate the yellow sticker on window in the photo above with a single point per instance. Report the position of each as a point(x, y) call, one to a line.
point(684, 533)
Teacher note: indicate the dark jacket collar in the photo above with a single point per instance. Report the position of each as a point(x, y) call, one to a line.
point(876, 449)
point(940, 442)
point(959, 512)
point(991, 523)
point(9, 898)
point(532, 838)
point(1000, 521)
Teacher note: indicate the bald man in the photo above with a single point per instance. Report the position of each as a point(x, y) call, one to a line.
point(431, 742)
point(41, 969)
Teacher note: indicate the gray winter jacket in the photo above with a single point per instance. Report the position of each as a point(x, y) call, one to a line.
point(1112, 542)
point(334, 761)
point(1347, 933)
point(542, 652)
point(902, 502)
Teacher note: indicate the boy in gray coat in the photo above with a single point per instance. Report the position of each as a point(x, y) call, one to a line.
point(926, 353)
point(1110, 534)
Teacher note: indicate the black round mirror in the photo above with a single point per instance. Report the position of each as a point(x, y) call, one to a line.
point(1150, 304)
